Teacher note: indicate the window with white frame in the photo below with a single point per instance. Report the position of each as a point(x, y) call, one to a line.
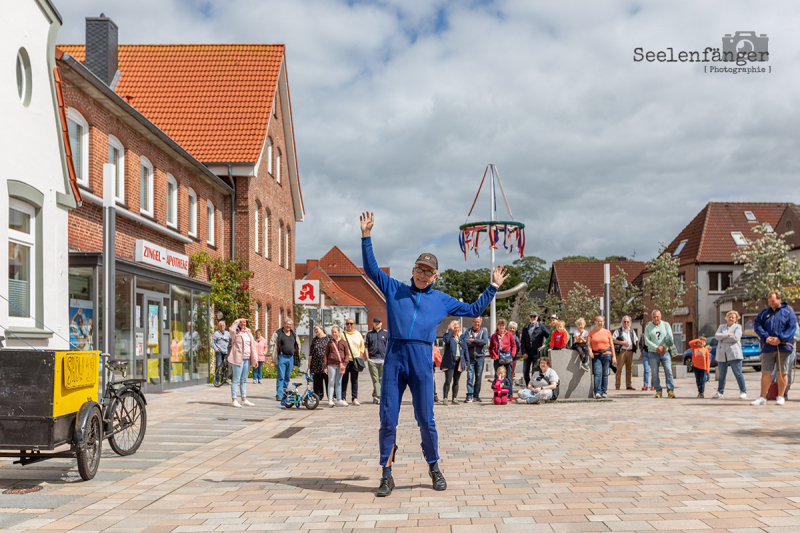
point(258, 312)
point(679, 249)
point(256, 227)
point(266, 318)
point(21, 254)
point(172, 201)
point(79, 143)
point(146, 186)
point(287, 240)
point(269, 155)
point(739, 238)
point(719, 281)
point(749, 216)
point(116, 157)
point(192, 213)
point(210, 222)
point(266, 234)
point(280, 317)
point(278, 166)
point(280, 242)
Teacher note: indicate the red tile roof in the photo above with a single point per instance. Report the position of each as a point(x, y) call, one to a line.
point(336, 295)
point(214, 100)
point(708, 236)
point(590, 274)
point(336, 262)
point(62, 114)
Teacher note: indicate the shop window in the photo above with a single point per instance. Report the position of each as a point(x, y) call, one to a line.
point(79, 142)
point(82, 319)
point(123, 315)
point(192, 213)
point(269, 155)
point(210, 222)
point(278, 165)
point(116, 157)
point(181, 338)
point(172, 201)
point(146, 186)
point(201, 335)
point(719, 281)
point(21, 253)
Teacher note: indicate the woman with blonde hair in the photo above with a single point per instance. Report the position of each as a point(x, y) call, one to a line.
point(454, 360)
point(729, 354)
point(337, 354)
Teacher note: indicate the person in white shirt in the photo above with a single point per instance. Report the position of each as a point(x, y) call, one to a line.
point(542, 384)
point(625, 343)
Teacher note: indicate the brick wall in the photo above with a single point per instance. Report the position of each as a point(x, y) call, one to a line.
point(85, 222)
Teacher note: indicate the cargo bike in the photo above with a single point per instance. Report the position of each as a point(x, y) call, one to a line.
point(49, 400)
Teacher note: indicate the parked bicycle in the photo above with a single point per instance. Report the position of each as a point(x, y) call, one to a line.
point(124, 412)
point(291, 398)
point(223, 373)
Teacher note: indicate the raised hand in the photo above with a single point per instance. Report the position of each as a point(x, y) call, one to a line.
point(499, 275)
point(367, 221)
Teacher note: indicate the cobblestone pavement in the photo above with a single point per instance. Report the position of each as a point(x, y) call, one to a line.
point(633, 464)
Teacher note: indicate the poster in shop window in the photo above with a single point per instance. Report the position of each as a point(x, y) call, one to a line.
point(81, 324)
point(152, 327)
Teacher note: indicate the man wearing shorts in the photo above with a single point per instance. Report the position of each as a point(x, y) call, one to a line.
point(775, 327)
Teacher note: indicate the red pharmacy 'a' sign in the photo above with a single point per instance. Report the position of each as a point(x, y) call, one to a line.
point(306, 292)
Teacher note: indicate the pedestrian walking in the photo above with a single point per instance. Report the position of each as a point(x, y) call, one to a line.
point(454, 361)
point(376, 341)
point(502, 349)
point(287, 352)
point(414, 312)
point(261, 351)
point(729, 354)
point(337, 355)
point(533, 335)
point(477, 337)
point(317, 363)
point(625, 341)
point(775, 327)
point(220, 341)
point(658, 338)
point(355, 341)
point(701, 364)
point(243, 350)
point(600, 344)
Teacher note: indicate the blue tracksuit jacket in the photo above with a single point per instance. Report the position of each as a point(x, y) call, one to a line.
point(412, 317)
point(781, 323)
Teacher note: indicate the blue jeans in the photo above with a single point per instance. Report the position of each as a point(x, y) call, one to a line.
point(646, 364)
point(722, 369)
point(284, 368)
point(474, 373)
point(334, 383)
point(530, 364)
point(239, 380)
point(665, 361)
point(600, 365)
point(257, 371)
point(700, 376)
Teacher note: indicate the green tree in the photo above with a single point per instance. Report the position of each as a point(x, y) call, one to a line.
point(231, 294)
point(579, 258)
point(767, 267)
point(532, 270)
point(626, 299)
point(579, 302)
point(662, 286)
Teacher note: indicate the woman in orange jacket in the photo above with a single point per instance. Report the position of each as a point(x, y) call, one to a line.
point(701, 361)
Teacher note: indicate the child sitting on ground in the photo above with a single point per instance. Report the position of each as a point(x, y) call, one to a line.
point(579, 341)
point(701, 362)
point(558, 340)
point(501, 386)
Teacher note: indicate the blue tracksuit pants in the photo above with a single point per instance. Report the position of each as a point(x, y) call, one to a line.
point(408, 364)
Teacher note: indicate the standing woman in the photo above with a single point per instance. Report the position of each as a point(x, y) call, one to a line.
point(502, 349)
point(337, 355)
point(261, 350)
point(243, 350)
point(454, 361)
point(317, 364)
point(602, 354)
point(512, 327)
point(729, 354)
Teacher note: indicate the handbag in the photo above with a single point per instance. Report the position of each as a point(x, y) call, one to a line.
point(359, 364)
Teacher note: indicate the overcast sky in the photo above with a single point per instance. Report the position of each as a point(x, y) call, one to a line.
point(399, 105)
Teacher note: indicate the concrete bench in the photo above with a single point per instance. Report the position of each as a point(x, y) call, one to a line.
point(572, 381)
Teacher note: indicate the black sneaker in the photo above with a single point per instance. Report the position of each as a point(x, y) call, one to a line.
point(438, 480)
point(387, 486)
point(468, 400)
point(478, 399)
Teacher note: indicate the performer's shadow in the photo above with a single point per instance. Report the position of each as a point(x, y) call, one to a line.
point(320, 484)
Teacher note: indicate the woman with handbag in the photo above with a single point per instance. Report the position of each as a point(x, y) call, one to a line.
point(503, 348)
point(317, 364)
point(336, 355)
point(358, 358)
point(602, 353)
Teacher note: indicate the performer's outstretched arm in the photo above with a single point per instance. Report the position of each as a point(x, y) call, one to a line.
point(378, 276)
point(456, 308)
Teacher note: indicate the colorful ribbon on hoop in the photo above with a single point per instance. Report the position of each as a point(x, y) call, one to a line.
point(469, 238)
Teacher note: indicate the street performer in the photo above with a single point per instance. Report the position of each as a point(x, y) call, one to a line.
point(413, 313)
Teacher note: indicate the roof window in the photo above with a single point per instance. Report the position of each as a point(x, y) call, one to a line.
point(679, 249)
point(738, 238)
point(750, 216)
point(768, 227)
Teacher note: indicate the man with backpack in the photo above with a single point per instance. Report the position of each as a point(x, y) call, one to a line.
point(625, 342)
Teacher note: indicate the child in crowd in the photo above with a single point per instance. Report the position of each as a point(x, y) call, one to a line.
point(579, 343)
point(501, 386)
point(701, 362)
point(558, 340)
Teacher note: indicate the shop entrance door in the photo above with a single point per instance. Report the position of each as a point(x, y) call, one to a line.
point(152, 361)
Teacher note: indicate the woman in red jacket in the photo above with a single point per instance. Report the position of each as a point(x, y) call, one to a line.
point(502, 348)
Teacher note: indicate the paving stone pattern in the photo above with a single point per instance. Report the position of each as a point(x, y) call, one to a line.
point(632, 464)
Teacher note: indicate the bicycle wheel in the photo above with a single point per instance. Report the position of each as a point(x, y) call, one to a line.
point(89, 456)
point(129, 421)
point(217, 379)
point(311, 401)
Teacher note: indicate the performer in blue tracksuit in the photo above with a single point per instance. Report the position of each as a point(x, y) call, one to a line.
point(413, 314)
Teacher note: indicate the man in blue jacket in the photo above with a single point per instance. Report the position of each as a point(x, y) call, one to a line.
point(413, 313)
point(775, 326)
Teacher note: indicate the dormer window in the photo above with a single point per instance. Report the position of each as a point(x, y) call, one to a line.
point(750, 216)
point(738, 238)
point(679, 249)
point(768, 227)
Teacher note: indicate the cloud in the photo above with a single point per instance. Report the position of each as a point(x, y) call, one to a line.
point(399, 106)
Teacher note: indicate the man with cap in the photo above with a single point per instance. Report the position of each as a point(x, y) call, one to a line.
point(413, 314)
point(376, 341)
point(533, 335)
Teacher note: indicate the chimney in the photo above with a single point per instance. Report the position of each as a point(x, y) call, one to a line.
point(102, 37)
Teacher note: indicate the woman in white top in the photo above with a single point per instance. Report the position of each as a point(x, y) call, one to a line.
point(729, 354)
point(542, 384)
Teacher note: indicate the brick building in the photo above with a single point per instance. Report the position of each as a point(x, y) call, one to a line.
point(203, 149)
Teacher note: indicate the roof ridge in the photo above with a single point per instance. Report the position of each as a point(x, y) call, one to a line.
point(181, 44)
point(706, 218)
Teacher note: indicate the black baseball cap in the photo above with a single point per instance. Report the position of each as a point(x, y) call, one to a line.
point(428, 260)
point(377, 319)
point(533, 313)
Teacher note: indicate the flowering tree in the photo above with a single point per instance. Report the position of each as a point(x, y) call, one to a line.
point(231, 294)
point(578, 303)
point(626, 299)
point(663, 286)
point(767, 267)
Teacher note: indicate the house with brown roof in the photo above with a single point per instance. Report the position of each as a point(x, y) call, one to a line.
point(704, 249)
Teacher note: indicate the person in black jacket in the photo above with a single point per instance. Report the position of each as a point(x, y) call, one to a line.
point(533, 335)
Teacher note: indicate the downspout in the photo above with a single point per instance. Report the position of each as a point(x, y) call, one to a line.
point(233, 212)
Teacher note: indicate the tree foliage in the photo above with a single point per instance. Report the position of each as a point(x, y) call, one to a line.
point(767, 267)
point(231, 294)
point(626, 298)
point(663, 287)
point(578, 303)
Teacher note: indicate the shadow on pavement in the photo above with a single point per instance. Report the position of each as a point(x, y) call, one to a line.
point(318, 484)
point(770, 433)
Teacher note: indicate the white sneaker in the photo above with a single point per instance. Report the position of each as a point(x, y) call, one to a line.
point(759, 401)
point(248, 403)
point(779, 400)
point(331, 404)
point(235, 403)
point(717, 395)
point(743, 396)
point(341, 403)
